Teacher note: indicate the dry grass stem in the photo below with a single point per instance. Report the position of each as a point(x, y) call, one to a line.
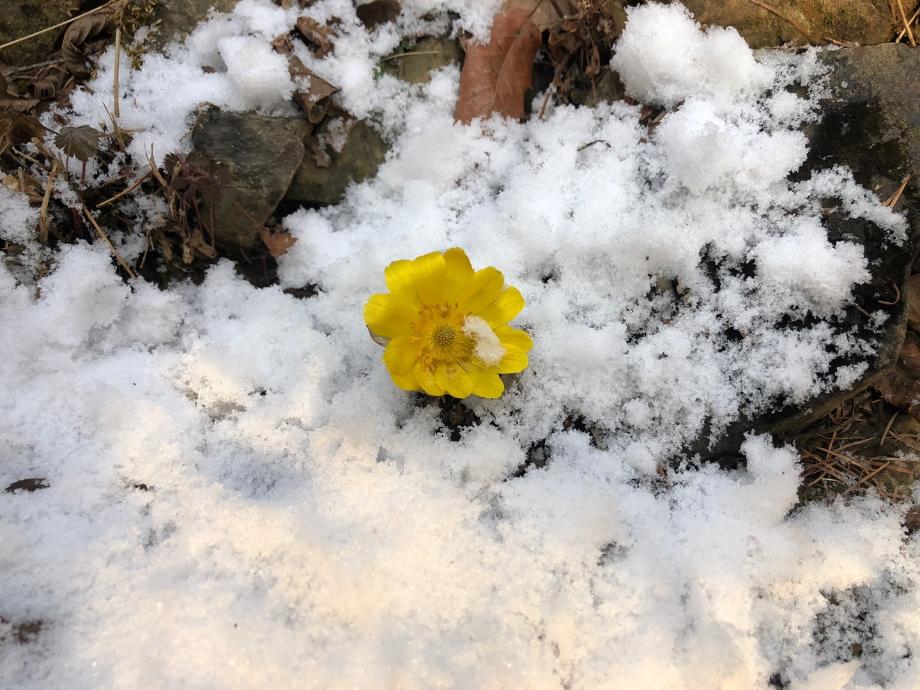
point(116, 109)
point(105, 238)
point(21, 39)
point(910, 34)
point(772, 10)
point(891, 201)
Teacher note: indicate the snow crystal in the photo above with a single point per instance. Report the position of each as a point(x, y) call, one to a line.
point(237, 496)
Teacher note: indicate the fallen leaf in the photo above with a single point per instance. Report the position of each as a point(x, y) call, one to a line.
point(19, 105)
point(900, 390)
point(913, 302)
point(73, 47)
point(313, 92)
point(79, 142)
point(543, 13)
point(277, 243)
point(373, 14)
point(909, 357)
point(17, 128)
point(317, 36)
point(496, 76)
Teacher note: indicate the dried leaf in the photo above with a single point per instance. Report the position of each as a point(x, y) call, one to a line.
point(19, 105)
point(277, 243)
point(73, 47)
point(200, 245)
point(317, 36)
point(376, 12)
point(900, 390)
point(79, 142)
point(909, 357)
point(496, 76)
point(313, 93)
point(49, 82)
point(17, 128)
point(542, 12)
point(913, 302)
point(283, 44)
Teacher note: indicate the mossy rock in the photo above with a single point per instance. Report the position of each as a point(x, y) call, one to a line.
point(23, 17)
point(177, 18)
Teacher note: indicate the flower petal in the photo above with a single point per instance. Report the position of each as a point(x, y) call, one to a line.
point(482, 289)
point(400, 354)
point(425, 380)
point(388, 315)
point(454, 380)
point(459, 272)
point(515, 360)
point(400, 278)
point(405, 381)
point(514, 338)
point(506, 307)
point(486, 384)
point(429, 272)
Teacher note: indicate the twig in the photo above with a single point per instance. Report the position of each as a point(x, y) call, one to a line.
point(910, 21)
point(893, 199)
point(105, 238)
point(897, 296)
point(795, 25)
point(127, 190)
point(910, 34)
point(888, 426)
point(58, 25)
point(43, 223)
point(117, 108)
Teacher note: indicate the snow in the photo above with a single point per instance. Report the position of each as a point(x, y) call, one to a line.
point(239, 497)
point(488, 347)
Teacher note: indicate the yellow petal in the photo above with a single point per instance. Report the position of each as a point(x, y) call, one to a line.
point(482, 289)
point(512, 337)
point(459, 272)
point(506, 307)
point(429, 273)
point(486, 384)
point(388, 315)
point(425, 380)
point(514, 361)
point(400, 279)
point(400, 354)
point(454, 380)
point(405, 381)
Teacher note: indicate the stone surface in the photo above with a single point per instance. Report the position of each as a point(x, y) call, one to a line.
point(22, 17)
point(360, 158)
point(177, 18)
point(255, 159)
point(866, 22)
point(871, 124)
point(427, 55)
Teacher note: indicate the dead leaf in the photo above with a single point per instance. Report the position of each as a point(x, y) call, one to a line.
point(543, 13)
point(74, 48)
point(19, 105)
point(283, 44)
point(313, 92)
point(496, 76)
point(900, 390)
point(376, 12)
point(79, 142)
point(909, 357)
point(316, 35)
point(49, 82)
point(17, 128)
point(913, 302)
point(277, 243)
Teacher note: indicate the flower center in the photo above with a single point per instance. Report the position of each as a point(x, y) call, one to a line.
point(443, 335)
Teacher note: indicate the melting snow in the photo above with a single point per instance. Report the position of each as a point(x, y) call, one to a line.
point(238, 496)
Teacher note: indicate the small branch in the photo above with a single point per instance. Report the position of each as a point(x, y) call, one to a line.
point(117, 108)
point(127, 190)
point(892, 201)
point(910, 34)
point(58, 25)
point(105, 238)
point(910, 21)
point(795, 25)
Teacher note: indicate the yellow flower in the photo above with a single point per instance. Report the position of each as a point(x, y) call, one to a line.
point(446, 326)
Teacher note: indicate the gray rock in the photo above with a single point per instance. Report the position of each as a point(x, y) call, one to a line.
point(871, 124)
point(177, 18)
point(255, 159)
point(361, 156)
point(416, 64)
point(865, 22)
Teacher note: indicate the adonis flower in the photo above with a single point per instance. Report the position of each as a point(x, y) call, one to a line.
point(446, 326)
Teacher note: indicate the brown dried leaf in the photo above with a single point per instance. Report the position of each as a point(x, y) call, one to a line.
point(900, 390)
point(19, 105)
point(277, 243)
point(909, 357)
point(314, 92)
point(17, 128)
point(542, 12)
point(496, 76)
point(316, 35)
point(376, 12)
point(79, 142)
point(77, 35)
point(913, 302)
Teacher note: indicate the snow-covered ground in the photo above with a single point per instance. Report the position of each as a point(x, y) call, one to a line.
point(240, 498)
